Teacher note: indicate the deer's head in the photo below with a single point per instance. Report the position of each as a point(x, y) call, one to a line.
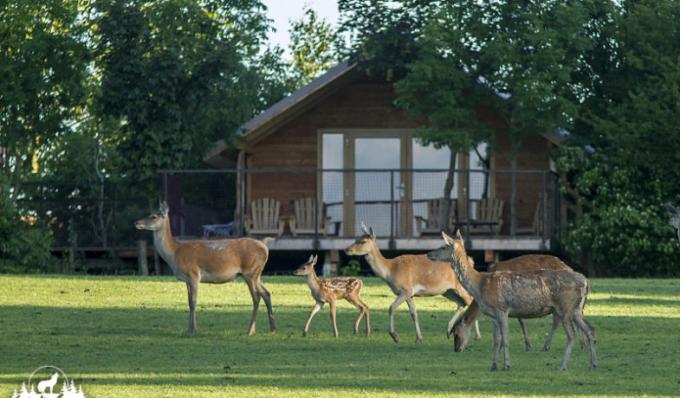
point(308, 267)
point(363, 244)
point(155, 221)
point(456, 248)
point(461, 334)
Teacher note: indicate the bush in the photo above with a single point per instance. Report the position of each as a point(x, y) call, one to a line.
point(352, 268)
point(24, 243)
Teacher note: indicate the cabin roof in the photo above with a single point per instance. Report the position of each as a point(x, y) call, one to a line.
point(290, 105)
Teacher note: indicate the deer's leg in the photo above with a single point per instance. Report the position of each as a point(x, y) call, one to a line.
point(255, 295)
point(503, 321)
point(477, 334)
point(527, 342)
point(553, 328)
point(192, 290)
point(414, 316)
point(333, 317)
point(317, 306)
point(363, 310)
point(588, 330)
point(496, 344)
point(264, 293)
point(568, 323)
point(400, 299)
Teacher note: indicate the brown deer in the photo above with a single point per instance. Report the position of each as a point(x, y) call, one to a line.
point(214, 261)
point(331, 290)
point(461, 329)
point(411, 276)
point(525, 294)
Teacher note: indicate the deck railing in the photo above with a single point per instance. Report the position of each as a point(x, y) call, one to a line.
point(208, 203)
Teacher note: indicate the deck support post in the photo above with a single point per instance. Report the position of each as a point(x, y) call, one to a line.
point(142, 262)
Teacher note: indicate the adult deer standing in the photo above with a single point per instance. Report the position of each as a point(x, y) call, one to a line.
point(524, 294)
point(411, 276)
point(214, 261)
point(331, 290)
point(461, 329)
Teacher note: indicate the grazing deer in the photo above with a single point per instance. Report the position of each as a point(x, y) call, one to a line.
point(409, 276)
point(461, 329)
point(214, 261)
point(675, 217)
point(331, 290)
point(524, 295)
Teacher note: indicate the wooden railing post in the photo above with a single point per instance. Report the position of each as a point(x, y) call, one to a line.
point(142, 262)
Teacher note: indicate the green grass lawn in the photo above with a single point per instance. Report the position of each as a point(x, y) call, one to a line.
point(125, 337)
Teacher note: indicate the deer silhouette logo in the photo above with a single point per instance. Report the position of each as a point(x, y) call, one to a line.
point(49, 377)
point(49, 383)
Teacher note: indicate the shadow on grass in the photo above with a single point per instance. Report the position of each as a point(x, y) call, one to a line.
point(137, 346)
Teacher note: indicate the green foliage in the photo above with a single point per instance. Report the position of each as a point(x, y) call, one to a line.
point(352, 268)
point(43, 59)
point(180, 75)
point(316, 47)
point(633, 164)
point(24, 242)
point(384, 34)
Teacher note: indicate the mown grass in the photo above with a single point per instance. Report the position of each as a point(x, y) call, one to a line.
point(125, 337)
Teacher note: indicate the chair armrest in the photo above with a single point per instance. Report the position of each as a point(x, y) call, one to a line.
point(292, 224)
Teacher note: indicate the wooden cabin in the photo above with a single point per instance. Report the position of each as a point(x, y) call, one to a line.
point(341, 141)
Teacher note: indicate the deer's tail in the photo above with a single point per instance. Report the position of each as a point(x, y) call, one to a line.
point(267, 240)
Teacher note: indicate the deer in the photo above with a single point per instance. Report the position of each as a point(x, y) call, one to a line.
point(411, 276)
point(214, 261)
point(329, 291)
point(461, 329)
point(525, 294)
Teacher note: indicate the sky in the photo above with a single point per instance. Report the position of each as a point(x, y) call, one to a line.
point(282, 11)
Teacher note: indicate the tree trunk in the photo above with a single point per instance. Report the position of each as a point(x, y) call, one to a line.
point(445, 207)
point(486, 162)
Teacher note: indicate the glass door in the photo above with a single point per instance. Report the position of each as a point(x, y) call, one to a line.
point(377, 184)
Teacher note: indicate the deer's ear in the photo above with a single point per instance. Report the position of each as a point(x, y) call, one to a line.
point(447, 239)
point(370, 232)
point(311, 258)
point(315, 258)
point(458, 235)
point(163, 208)
point(364, 228)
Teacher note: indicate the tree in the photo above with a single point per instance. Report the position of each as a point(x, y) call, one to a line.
point(315, 45)
point(180, 75)
point(439, 91)
point(43, 63)
point(523, 59)
point(631, 165)
point(384, 34)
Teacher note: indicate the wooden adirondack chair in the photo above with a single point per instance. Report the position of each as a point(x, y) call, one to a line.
point(489, 212)
point(536, 226)
point(264, 218)
point(302, 223)
point(430, 225)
